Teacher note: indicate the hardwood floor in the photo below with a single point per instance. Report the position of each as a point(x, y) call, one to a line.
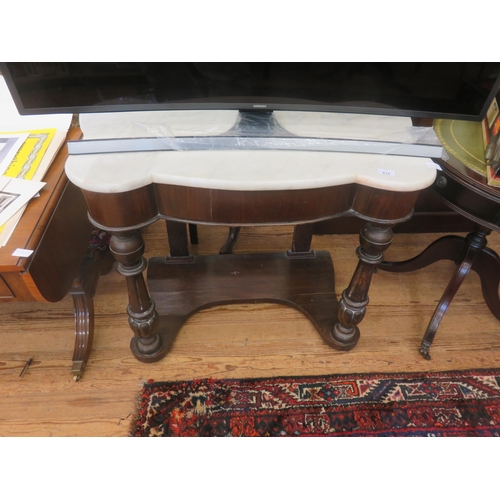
point(231, 341)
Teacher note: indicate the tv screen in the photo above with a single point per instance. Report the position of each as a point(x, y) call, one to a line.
point(420, 90)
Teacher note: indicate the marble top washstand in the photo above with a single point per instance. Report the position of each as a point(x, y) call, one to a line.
point(236, 187)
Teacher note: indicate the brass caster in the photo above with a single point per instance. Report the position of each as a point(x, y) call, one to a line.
point(77, 370)
point(424, 351)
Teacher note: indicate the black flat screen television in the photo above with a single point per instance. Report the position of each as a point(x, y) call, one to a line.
point(419, 90)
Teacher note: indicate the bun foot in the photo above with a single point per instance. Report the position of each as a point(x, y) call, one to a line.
point(147, 350)
point(344, 338)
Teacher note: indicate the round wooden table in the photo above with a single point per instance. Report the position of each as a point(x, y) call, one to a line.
point(468, 193)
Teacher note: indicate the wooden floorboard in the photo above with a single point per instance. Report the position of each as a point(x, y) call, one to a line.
point(251, 340)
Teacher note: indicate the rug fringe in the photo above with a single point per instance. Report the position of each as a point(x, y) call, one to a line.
point(135, 415)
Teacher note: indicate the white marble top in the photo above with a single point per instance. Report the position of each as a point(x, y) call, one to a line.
point(236, 169)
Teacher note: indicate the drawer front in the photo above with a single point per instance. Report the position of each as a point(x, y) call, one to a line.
point(13, 288)
point(468, 201)
point(5, 291)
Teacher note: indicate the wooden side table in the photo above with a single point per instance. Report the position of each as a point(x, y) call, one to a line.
point(468, 193)
point(56, 228)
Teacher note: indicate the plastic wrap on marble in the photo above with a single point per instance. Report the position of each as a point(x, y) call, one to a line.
point(261, 130)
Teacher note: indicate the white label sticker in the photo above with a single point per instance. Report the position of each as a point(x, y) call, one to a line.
point(382, 171)
point(22, 252)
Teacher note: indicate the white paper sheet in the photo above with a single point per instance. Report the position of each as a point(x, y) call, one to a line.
point(9, 146)
point(14, 194)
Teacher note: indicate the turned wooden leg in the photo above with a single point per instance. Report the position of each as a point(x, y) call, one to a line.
point(374, 240)
point(128, 249)
point(475, 244)
point(82, 291)
point(84, 330)
point(487, 266)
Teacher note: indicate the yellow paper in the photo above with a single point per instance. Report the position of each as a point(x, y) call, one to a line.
point(29, 156)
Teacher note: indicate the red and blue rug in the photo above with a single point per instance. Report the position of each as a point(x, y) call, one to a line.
point(460, 403)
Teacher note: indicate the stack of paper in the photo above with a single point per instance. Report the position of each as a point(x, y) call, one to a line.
point(28, 145)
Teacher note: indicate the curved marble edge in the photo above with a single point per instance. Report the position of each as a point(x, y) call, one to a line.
point(248, 170)
point(243, 170)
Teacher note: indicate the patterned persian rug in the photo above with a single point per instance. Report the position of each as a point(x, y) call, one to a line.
point(461, 403)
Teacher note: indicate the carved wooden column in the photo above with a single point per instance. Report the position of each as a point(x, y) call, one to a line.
point(374, 239)
point(127, 249)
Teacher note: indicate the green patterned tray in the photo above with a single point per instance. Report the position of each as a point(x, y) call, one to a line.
point(464, 141)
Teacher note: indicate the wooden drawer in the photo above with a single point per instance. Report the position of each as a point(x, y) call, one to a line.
point(5, 291)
